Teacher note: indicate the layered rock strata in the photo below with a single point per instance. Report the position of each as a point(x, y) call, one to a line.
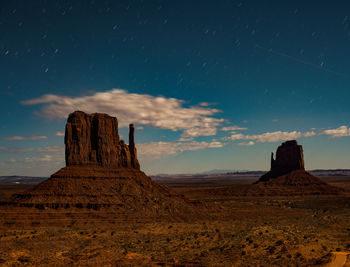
point(287, 176)
point(93, 139)
point(102, 172)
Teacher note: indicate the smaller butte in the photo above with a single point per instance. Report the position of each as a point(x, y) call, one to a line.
point(287, 175)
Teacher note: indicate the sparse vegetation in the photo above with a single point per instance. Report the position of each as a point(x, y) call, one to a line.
point(268, 231)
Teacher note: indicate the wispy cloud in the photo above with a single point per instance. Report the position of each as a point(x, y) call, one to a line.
point(142, 109)
point(31, 161)
point(204, 104)
point(44, 158)
point(59, 134)
point(338, 132)
point(46, 149)
point(184, 139)
point(233, 128)
point(159, 149)
point(250, 143)
point(270, 136)
point(22, 138)
point(195, 132)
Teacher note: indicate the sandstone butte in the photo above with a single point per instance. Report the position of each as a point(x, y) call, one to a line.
point(102, 172)
point(287, 175)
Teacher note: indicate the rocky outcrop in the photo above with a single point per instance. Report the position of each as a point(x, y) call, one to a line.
point(289, 157)
point(126, 190)
point(294, 183)
point(132, 148)
point(93, 139)
point(102, 172)
point(287, 176)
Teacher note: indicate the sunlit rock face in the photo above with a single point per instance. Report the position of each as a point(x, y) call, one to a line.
point(93, 139)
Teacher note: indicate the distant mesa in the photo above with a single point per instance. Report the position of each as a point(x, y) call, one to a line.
point(102, 172)
point(287, 175)
point(289, 157)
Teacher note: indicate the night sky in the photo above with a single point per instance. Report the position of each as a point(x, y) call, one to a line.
point(208, 84)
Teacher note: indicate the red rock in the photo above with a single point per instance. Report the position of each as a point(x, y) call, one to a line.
point(287, 176)
point(93, 139)
point(103, 172)
point(293, 183)
point(289, 157)
point(127, 190)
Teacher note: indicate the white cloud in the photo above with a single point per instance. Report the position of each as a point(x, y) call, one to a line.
point(270, 136)
point(204, 104)
point(22, 138)
point(158, 149)
point(338, 132)
point(233, 128)
point(183, 139)
point(47, 149)
point(46, 158)
point(309, 134)
point(142, 109)
point(250, 143)
point(32, 161)
point(59, 133)
point(194, 132)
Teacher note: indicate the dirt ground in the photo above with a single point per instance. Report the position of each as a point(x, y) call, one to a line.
point(237, 231)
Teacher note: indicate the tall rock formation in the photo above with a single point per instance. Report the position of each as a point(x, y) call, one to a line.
point(287, 176)
point(102, 172)
point(289, 157)
point(132, 148)
point(93, 139)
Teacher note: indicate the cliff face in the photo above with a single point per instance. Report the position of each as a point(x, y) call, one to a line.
point(289, 157)
point(93, 139)
point(287, 176)
point(103, 172)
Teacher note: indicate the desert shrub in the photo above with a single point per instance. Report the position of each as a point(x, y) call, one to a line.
point(271, 249)
point(279, 243)
point(23, 259)
point(298, 255)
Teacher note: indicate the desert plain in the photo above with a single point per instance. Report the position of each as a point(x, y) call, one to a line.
point(228, 229)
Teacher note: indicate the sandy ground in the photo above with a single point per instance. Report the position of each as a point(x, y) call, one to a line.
point(238, 231)
point(339, 259)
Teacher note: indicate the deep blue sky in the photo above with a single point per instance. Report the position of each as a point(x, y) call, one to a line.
point(275, 67)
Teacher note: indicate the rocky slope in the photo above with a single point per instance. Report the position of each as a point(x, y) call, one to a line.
point(287, 175)
point(297, 182)
point(102, 172)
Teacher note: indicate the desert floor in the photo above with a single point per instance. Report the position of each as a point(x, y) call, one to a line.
point(236, 231)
